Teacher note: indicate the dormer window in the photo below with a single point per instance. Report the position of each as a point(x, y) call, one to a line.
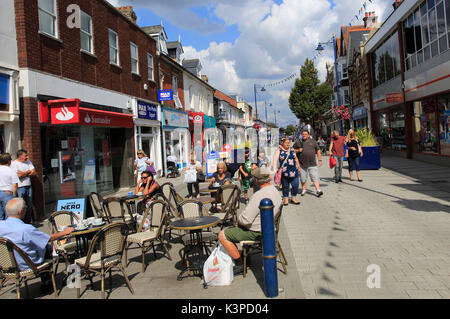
point(162, 44)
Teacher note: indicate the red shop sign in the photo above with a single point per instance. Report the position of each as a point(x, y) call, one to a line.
point(394, 98)
point(68, 112)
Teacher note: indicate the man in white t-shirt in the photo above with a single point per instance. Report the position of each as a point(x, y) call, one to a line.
point(8, 183)
point(24, 169)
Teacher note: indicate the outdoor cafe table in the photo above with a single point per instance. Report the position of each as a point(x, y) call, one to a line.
point(195, 226)
point(131, 201)
point(82, 236)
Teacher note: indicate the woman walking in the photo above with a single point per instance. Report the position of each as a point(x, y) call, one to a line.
point(140, 164)
point(286, 160)
point(354, 152)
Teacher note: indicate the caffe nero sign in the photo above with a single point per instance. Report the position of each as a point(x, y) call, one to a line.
point(147, 111)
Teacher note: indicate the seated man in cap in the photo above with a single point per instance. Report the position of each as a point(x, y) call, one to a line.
point(249, 222)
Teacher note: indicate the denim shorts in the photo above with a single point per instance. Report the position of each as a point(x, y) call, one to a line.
point(353, 164)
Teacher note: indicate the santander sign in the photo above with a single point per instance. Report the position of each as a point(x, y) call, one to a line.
point(64, 114)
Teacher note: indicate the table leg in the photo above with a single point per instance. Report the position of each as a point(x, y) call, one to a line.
point(199, 257)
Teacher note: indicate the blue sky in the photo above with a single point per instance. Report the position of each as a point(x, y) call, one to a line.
point(245, 42)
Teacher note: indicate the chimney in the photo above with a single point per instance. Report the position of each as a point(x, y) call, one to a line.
point(205, 78)
point(397, 3)
point(128, 12)
point(370, 19)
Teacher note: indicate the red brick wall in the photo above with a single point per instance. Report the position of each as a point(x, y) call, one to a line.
point(63, 58)
point(31, 141)
point(168, 70)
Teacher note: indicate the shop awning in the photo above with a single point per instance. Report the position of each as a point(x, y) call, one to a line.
point(68, 111)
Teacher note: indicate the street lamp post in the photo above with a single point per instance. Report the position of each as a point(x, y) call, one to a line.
point(257, 118)
point(320, 49)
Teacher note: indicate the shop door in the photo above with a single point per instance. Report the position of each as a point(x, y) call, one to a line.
point(148, 146)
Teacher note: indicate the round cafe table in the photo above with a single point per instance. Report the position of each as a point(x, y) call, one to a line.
point(195, 227)
point(82, 236)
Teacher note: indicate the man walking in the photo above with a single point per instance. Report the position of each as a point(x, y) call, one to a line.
point(308, 165)
point(8, 183)
point(24, 169)
point(337, 151)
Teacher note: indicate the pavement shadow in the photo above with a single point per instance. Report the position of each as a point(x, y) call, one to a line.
point(413, 204)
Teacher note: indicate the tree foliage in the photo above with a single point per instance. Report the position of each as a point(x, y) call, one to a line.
point(290, 129)
point(309, 100)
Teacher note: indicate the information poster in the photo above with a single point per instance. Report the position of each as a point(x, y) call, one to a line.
point(447, 125)
point(89, 172)
point(211, 163)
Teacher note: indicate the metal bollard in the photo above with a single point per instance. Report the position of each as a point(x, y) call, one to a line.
point(269, 250)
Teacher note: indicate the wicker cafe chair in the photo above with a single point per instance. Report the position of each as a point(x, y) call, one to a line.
point(112, 240)
point(116, 211)
point(247, 244)
point(228, 196)
point(191, 208)
point(146, 239)
point(63, 248)
point(10, 270)
point(97, 205)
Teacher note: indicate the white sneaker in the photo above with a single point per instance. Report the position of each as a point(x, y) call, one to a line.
point(303, 192)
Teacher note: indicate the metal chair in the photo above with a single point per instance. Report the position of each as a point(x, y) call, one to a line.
point(10, 269)
point(112, 241)
point(146, 239)
point(247, 244)
point(64, 249)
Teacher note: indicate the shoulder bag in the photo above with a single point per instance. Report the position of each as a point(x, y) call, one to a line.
point(277, 177)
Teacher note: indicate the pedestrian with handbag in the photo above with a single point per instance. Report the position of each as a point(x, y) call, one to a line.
point(141, 164)
point(336, 150)
point(354, 152)
point(287, 167)
point(194, 172)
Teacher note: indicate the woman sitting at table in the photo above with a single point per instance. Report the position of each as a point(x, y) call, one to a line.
point(147, 186)
point(222, 177)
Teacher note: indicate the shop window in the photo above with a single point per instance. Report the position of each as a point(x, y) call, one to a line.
point(424, 126)
point(398, 133)
point(444, 124)
point(4, 92)
point(383, 127)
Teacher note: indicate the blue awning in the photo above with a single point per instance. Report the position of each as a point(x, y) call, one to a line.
point(4, 89)
point(359, 113)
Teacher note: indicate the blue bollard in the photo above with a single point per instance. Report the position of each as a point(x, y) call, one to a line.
point(269, 250)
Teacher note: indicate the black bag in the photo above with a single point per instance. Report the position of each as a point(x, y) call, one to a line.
point(200, 177)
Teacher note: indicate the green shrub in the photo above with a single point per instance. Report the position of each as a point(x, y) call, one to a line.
point(366, 138)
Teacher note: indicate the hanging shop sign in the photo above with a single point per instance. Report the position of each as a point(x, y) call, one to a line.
point(147, 111)
point(359, 113)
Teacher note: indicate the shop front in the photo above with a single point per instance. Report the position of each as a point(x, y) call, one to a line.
point(391, 127)
point(431, 125)
point(359, 116)
point(176, 136)
point(148, 131)
point(84, 150)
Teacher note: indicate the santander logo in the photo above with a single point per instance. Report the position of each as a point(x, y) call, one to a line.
point(64, 114)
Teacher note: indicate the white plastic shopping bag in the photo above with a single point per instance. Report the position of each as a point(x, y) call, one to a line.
point(146, 225)
point(218, 268)
point(190, 176)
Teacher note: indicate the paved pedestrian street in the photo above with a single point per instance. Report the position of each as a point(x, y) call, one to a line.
point(390, 224)
point(387, 220)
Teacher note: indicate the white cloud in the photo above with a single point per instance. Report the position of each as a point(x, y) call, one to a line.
point(275, 39)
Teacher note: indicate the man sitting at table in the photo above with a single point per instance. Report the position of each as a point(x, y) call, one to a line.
point(28, 238)
point(249, 222)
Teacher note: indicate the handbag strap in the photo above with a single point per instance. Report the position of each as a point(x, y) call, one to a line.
point(289, 151)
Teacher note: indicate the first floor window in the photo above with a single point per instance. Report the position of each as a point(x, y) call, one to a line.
point(48, 17)
point(134, 58)
point(86, 33)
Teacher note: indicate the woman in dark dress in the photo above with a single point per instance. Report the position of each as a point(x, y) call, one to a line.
point(354, 152)
point(147, 186)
